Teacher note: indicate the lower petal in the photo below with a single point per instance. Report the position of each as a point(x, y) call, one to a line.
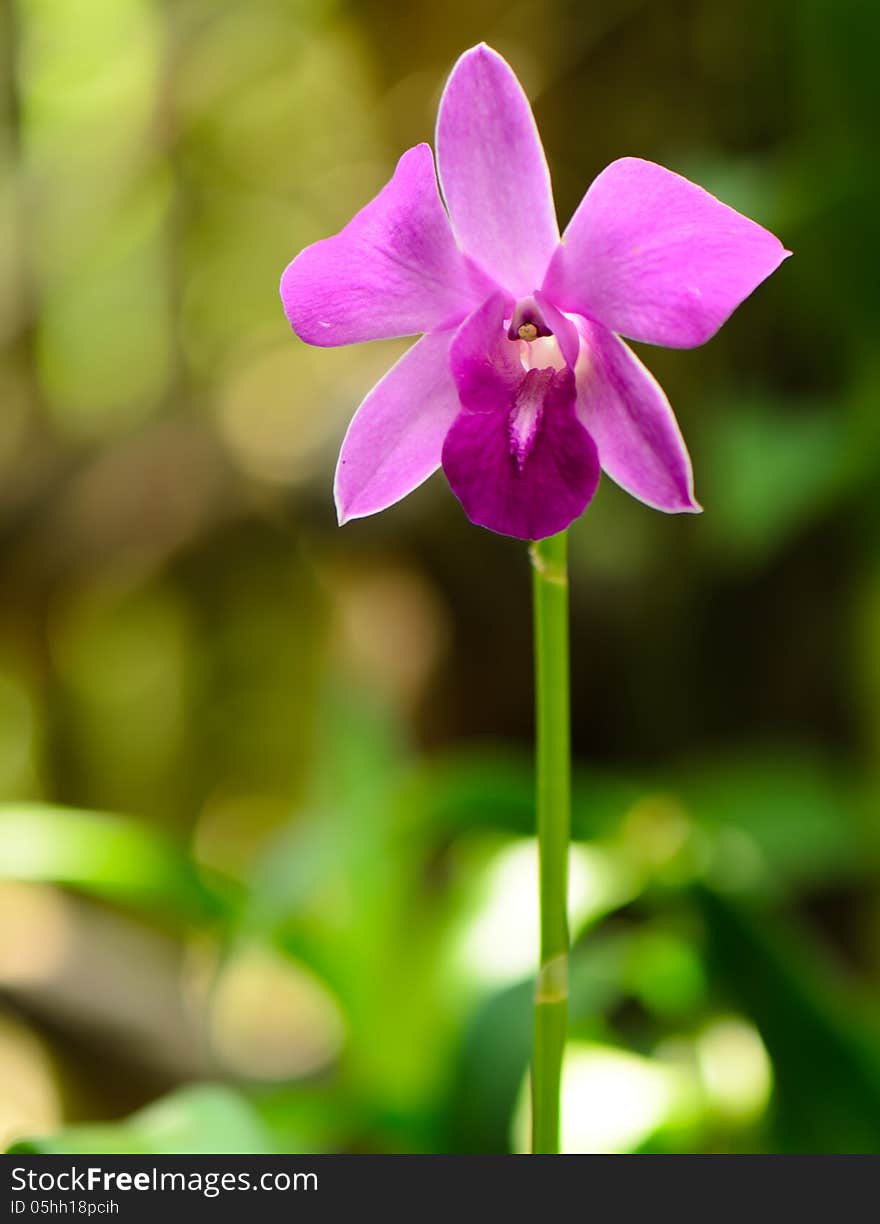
point(528, 498)
point(626, 412)
point(395, 439)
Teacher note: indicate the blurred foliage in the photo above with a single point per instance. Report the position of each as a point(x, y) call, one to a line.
point(202, 1119)
point(309, 924)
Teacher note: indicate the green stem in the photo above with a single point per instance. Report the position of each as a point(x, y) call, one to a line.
point(553, 794)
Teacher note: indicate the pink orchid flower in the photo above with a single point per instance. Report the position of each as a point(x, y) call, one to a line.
point(520, 386)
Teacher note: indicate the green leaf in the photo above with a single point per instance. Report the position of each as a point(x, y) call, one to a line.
point(826, 1066)
point(201, 1118)
point(800, 821)
point(113, 857)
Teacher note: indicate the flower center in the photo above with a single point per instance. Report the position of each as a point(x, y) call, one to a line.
point(542, 354)
point(527, 322)
point(539, 348)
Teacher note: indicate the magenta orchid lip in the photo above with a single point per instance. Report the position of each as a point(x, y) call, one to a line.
point(481, 272)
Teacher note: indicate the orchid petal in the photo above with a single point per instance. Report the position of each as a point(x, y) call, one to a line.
point(485, 365)
point(656, 258)
point(563, 329)
point(394, 270)
point(625, 410)
point(519, 460)
point(395, 439)
point(494, 173)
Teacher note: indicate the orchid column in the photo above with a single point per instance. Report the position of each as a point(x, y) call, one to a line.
point(520, 386)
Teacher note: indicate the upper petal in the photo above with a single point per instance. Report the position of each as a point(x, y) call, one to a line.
point(493, 171)
point(395, 270)
point(656, 258)
point(625, 411)
point(396, 437)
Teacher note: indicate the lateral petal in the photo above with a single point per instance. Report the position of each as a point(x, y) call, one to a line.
point(394, 270)
point(656, 258)
point(626, 412)
point(395, 439)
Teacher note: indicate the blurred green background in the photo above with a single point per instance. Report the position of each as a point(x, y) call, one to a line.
point(265, 833)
